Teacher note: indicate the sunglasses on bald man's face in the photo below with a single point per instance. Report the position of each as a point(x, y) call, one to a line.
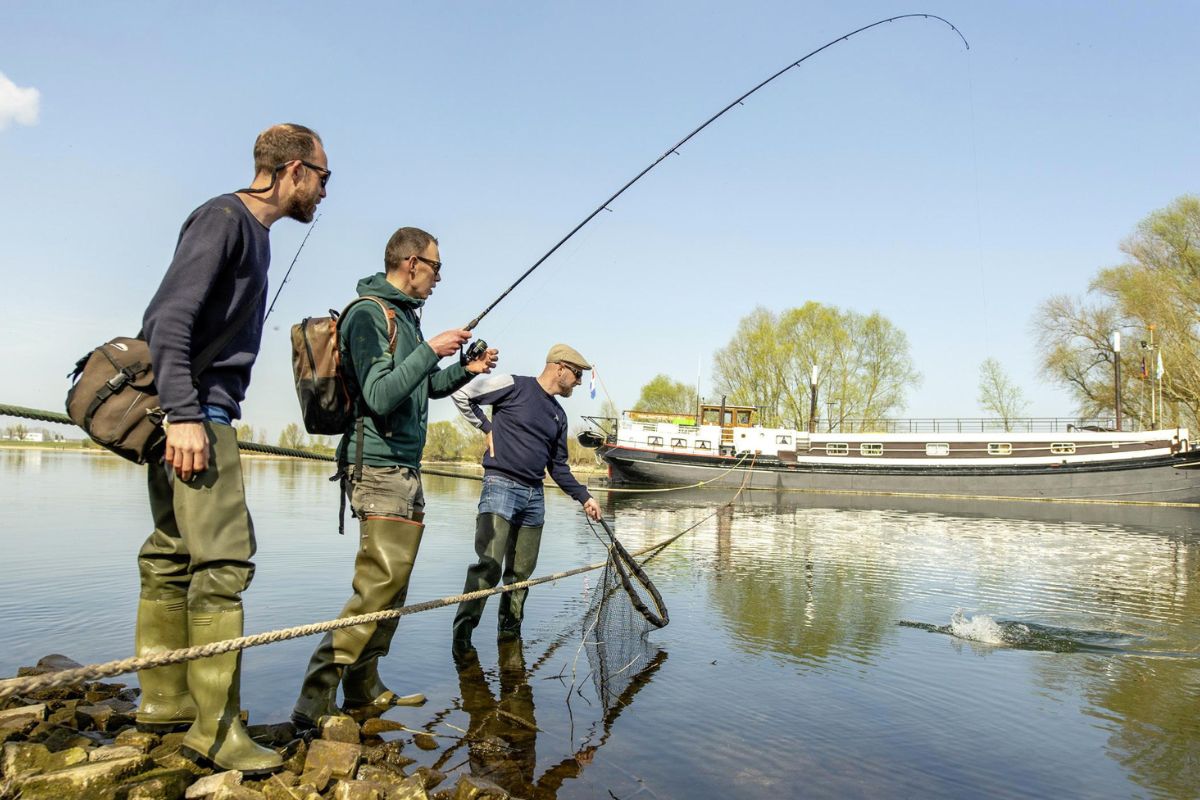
point(576, 371)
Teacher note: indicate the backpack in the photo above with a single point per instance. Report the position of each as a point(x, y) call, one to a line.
point(329, 399)
point(113, 397)
point(328, 404)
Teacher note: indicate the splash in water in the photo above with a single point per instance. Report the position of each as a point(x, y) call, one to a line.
point(986, 629)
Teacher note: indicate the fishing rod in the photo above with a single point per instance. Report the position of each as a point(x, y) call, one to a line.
point(303, 242)
point(674, 150)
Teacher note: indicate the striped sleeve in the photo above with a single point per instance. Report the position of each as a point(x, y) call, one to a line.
point(484, 390)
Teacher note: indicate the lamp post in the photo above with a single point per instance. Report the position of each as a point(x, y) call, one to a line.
point(1116, 345)
point(812, 406)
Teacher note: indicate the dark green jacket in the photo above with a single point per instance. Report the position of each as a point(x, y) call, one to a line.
point(395, 386)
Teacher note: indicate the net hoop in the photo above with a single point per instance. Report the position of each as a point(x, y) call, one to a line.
point(629, 570)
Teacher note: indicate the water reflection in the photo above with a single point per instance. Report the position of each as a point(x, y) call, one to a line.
point(789, 673)
point(501, 737)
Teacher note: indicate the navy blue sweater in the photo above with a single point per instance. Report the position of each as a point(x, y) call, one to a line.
point(528, 427)
point(220, 262)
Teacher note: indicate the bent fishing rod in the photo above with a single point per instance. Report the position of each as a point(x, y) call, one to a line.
point(479, 346)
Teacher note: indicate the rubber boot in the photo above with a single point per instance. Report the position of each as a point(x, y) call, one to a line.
point(162, 625)
point(519, 564)
point(492, 532)
point(318, 693)
point(387, 551)
point(218, 734)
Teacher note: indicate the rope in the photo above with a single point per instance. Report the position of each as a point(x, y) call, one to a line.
point(33, 413)
point(737, 464)
point(110, 669)
point(250, 447)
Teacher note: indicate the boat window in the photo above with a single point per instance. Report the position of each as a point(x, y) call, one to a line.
point(649, 427)
point(677, 442)
point(702, 444)
point(1062, 448)
point(937, 448)
point(743, 418)
point(999, 449)
point(783, 440)
point(871, 449)
point(654, 441)
point(837, 449)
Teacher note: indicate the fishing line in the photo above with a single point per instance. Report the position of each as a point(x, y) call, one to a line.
point(289, 269)
point(674, 149)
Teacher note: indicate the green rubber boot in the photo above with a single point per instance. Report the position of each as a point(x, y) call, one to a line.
point(218, 734)
point(492, 532)
point(162, 625)
point(318, 694)
point(386, 555)
point(519, 565)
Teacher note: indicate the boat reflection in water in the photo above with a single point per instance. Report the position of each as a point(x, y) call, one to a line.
point(1095, 605)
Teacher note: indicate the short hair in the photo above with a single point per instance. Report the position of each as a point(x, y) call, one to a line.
point(405, 243)
point(282, 143)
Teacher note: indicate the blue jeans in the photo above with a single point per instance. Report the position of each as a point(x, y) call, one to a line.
point(217, 414)
point(521, 505)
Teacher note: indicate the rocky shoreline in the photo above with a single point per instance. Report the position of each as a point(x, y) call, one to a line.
point(81, 742)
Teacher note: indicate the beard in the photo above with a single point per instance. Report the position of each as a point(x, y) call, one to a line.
point(302, 208)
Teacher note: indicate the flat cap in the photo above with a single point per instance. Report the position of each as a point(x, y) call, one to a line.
point(568, 355)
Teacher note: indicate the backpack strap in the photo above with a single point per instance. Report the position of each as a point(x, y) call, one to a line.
point(389, 315)
point(347, 480)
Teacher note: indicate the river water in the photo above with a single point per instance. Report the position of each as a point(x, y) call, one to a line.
point(818, 647)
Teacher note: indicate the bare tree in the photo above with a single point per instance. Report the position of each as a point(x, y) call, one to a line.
point(998, 395)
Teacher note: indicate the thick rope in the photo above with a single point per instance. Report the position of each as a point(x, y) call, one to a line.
point(737, 464)
point(109, 669)
point(289, 452)
point(33, 413)
point(250, 447)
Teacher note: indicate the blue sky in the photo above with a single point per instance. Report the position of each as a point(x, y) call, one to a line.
point(952, 191)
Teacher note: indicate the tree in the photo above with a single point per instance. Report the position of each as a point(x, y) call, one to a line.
point(666, 395)
point(865, 368)
point(245, 433)
point(1157, 288)
point(609, 409)
point(998, 395)
point(453, 441)
point(17, 432)
point(443, 442)
point(291, 438)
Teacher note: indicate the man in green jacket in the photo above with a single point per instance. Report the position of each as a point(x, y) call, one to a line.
point(395, 382)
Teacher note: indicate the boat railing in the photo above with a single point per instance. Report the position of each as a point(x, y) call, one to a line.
point(974, 425)
point(608, 425)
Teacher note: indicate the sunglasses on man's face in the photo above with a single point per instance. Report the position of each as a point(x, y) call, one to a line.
point(323, 174)
point(578, 373)
point(436, 266)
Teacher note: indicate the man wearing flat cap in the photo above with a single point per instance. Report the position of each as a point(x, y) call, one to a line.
point(526, 437)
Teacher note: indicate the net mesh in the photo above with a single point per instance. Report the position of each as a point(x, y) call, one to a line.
point(616, 634)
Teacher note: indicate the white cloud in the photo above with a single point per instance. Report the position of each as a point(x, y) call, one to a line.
point(17, 104)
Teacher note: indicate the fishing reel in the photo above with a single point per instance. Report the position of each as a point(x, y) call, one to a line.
point(473, 352)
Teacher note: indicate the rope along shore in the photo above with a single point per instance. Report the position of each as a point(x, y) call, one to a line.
point(54, 680)
point(252, 447)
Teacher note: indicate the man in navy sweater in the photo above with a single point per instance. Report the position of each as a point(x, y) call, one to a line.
point(197, 562)
point(526, 436)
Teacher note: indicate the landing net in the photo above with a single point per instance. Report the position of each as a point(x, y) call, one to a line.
point(624, 608)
